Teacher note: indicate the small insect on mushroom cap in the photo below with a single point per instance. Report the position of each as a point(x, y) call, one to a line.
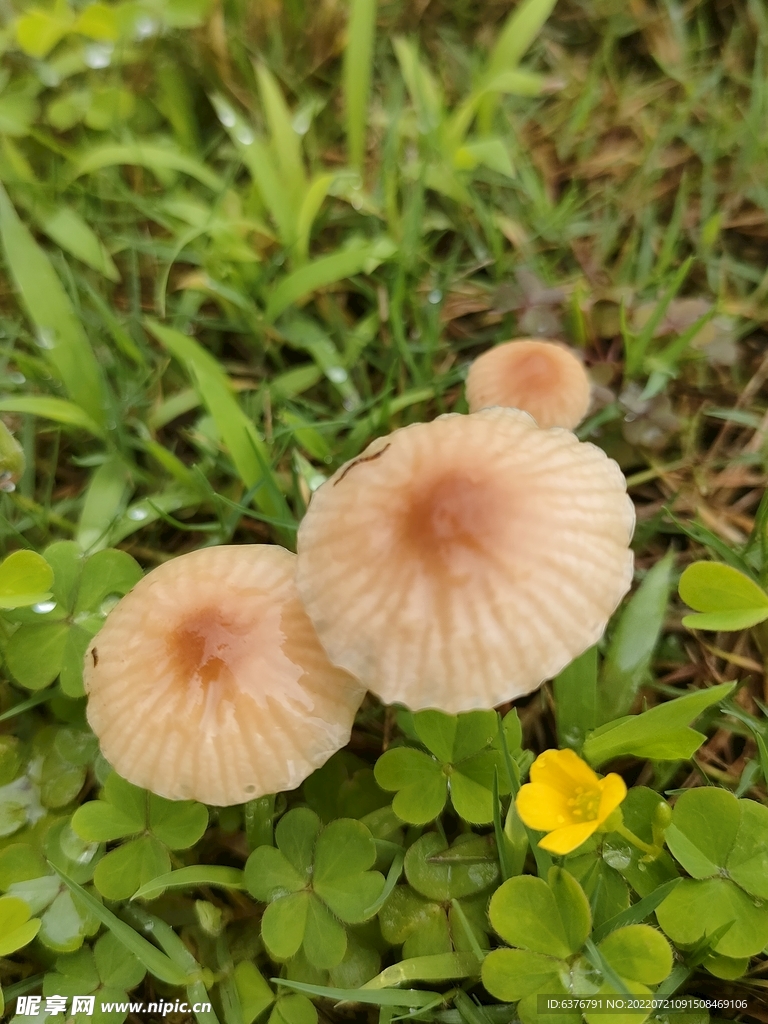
point(458, 564)
point(208, 681)
point(543, 378)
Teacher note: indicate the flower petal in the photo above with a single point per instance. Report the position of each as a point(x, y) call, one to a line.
point(543, 808)
point(563, 770)
point(564, 840)
point(613, 789)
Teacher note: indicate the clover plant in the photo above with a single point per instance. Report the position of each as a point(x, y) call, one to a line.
point(315, 881)
point(50, 638)
point(451, 867)
point(152, 827)
point(107, 970)
point(722, 843)
point(464, 756)
point(549, 925)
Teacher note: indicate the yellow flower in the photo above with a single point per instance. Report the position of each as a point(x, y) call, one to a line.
point(567, 799)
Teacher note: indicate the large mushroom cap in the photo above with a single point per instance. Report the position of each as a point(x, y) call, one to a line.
point(543, 378)
point(208, 682)
point(459, 563)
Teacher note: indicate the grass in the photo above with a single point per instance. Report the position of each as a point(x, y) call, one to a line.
point(227, 273)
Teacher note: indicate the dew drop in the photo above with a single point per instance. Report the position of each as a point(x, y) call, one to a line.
point(315, 481)
point(337, 374)
point(45, 338)
point(7, 485)
point(226, 115)
point(17, 378)
point(137, 514)
point(617, 855)
point(98, 55)
point(301, 122)
point(243, 134)
point(250, 788)
point(435, 296)
point(145, 27)
point(44, 607)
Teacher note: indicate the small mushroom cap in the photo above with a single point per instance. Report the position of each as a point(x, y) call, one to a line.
point(208, 681)
point(458, 564)
point(543, 378)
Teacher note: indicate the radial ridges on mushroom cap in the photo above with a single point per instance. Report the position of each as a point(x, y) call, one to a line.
point(543, 378)
point(208, 681)
point(459, 563)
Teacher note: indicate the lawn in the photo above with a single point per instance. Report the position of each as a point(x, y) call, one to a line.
point(241, 242)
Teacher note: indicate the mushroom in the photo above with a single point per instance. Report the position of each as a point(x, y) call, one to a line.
point(458, 564)
point(543, 378)
point(208, 681)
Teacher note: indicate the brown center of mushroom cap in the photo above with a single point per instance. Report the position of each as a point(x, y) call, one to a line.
point(452, 519)
point(224, 651)
point(205, 645)
point(533, 372)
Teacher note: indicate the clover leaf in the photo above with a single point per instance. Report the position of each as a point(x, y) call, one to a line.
point(24, 874)
point(722, 842)
point(344, 787)
point(25, 578)
point(464, 755)
point(158, 825)
point(16, 928)
point(442, 872)
point(108, 971)
point(548, 923)
point(315, 879)
point(426, 927)
point(51, 639)
point(723, 597)
point(360, 963)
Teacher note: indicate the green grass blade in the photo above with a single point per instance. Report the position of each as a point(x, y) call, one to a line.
point(636, 345)
point(67, 229)
point(105, 500)
point(143, 513)
point(498, 830)
point(395, 870)
point(239, 434)
point(257, 157)
point(122, 339)
point(358, 62)
point(385, 997)
point(324, 271)
point(638, 911)
point(58, 409)
point(304, 333)
point(425, 93)
point(520, 30)
point(195, 874)
point(628, 657)
point(50, 310)
point(309, 209)
point(153, 157)
point(576, 699)
point(179, 955)
point(261, 164)
point(155, 961)
point(285, 142)
point(434, 967)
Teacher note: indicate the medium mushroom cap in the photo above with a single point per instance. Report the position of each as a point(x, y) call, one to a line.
point(543, 378)
point(208, 681)
point(458, 564)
